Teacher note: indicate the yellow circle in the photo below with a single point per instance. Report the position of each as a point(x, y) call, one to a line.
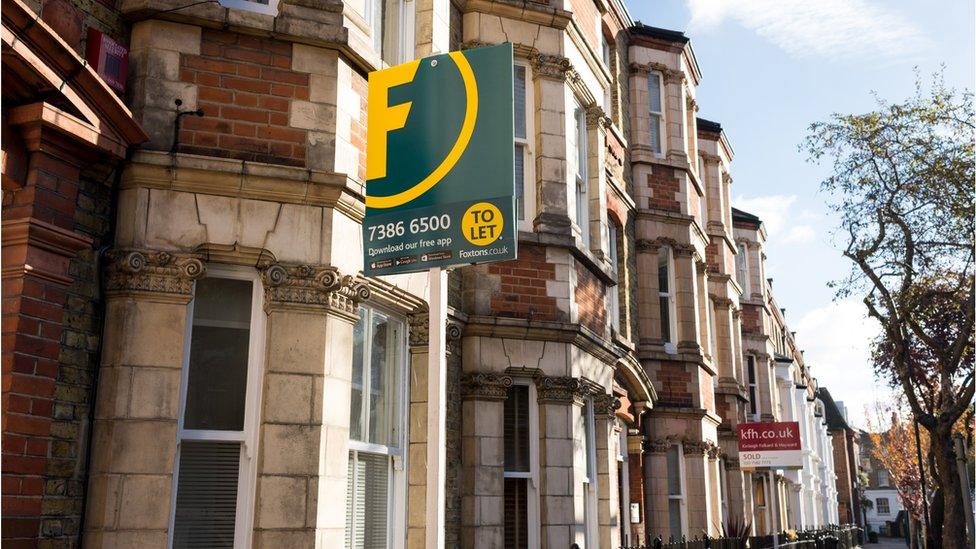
point(482, 224)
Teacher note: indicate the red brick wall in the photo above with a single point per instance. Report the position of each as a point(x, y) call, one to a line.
point(523, 286)
point(590, 299)
point(584, 11)
point(664, 189)
point(751, 319)
point(674, 384)
point(245, 88)
point(711, 257)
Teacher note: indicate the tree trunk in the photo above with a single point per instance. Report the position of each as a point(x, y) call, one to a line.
point(953, 522)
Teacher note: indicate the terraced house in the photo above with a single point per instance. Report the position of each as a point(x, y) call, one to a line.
point(192, 356)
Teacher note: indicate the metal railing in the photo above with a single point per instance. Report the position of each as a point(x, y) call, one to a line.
point(828, 537)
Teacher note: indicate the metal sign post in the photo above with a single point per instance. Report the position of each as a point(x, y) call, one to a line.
point(440, 191)
point(774, 494)
point(436, 407)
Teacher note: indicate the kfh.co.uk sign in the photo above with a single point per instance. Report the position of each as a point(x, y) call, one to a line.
point(770, 445)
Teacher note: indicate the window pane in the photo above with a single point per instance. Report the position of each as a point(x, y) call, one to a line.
point(517, 429)
point(367, 501)
point(674, 470)
point(206, 494)
point(581, 142)
point(520, 180)
point(655, 129)
point(665, 303)
point(356, 409)
point(391, 31)
point(674, 516)
point(516, 513)
point(588, 439)
point(519, 101)
point(382, 379)
point(654, 93)
point(663, 268)
point(217, 378)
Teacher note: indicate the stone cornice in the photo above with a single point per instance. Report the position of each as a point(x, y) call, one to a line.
point(485, 386)
point(538, 330)
point(241, 179)
point(529, 12)
point(155, 274)
point(313, 288)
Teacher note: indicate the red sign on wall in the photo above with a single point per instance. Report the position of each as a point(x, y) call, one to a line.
point(770, 445)
point(109, 59)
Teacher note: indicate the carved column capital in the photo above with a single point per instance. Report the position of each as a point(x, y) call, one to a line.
point(606, 406)
point(551, 66)
point(695, 447)
point(732, 463)
point(152, 272)
point(561, 390)
point(595, 117)
point(658, 445)
point(313, 288)
point(485, 386)
point(419, 329)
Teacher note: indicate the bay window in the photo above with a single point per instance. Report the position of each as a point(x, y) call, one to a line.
point(521, 522)
point(374, 499)
point(665, 285)
point(655, 109)
point(217, 433)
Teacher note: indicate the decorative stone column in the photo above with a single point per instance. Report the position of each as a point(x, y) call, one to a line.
point(137, 412)
point(304, 444)
point(686, 297)
point(715, 517)
point(561, 465)
point(483, 459)
point(698, 496)
point(596, 124)
point(552, 203)
point(607, 449)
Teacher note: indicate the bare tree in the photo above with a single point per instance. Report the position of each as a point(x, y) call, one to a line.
point(902, 183)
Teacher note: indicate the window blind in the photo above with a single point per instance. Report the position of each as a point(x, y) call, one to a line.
point(517, 429)
point(516, 513)
point(520, 102)
point(206, 494)
point(367, 501)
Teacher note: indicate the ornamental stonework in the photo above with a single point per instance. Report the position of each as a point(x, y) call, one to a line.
point(485, 386)
point(551, 66)
point(561, 389)
point(606, 406)
point(307, 286)
point(152, 272)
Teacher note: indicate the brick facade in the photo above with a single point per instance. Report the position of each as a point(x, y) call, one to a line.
point(523, 291)
point(245, 87)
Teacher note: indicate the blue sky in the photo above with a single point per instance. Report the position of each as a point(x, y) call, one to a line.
point(770, 68)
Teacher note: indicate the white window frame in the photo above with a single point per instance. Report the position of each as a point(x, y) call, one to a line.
point(742, 250)
point(582, 174)
point(405, 29)
point(247, 473)
point(884, 478)
point(683, 515)
point(659, 114)
point(271, 8)
point(528, 151)
point(591, 516)
point(763, 509)
point(614, 291)
point(397, 500)
point(670, 346)
point(887, 502)
point(533, 520)
point(752, 387)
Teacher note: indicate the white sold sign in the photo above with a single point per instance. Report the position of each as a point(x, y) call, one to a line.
point(770, 445)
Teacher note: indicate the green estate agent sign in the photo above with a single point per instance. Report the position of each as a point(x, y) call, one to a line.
point(440, 163)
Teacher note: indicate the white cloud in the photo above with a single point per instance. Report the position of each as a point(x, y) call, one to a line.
point(837, 340)
point(772, 209)
point(800, 234)
point(834, 29)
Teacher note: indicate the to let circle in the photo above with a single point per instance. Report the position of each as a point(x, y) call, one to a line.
point(482, 224)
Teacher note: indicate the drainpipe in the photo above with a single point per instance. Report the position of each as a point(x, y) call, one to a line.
point(967, 502)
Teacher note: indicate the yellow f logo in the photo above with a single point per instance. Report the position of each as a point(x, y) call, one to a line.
point(382, 117)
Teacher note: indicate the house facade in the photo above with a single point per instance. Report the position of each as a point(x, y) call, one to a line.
point(192, 356)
